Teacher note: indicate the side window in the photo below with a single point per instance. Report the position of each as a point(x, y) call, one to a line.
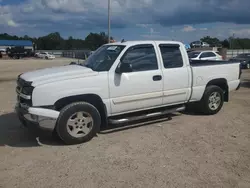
point(207, 54)
point(211, 54)
point(141, 57)
point(171, 56)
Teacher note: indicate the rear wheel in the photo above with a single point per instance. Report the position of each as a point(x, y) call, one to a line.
point(78, 123)
point(212, 100)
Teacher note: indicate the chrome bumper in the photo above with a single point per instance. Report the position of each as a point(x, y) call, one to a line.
point(43, 118)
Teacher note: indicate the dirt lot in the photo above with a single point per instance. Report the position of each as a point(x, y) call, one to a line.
point(186, 151)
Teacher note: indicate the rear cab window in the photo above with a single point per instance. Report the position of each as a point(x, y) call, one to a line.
point(171, 55)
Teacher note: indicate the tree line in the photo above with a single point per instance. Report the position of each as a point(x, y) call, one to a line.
point(54, 41)
point(230, 43)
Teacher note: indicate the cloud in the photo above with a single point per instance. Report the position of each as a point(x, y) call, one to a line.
point(188, 28)
point(143, 25)
point(78, 16)
point(11, 23)
point(6, 17)
point(152, 34)
point(245, 32)
point(166, 13)
point(74, 6)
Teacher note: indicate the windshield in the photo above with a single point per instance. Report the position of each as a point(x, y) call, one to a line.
point(193, 54)
point(103, 58)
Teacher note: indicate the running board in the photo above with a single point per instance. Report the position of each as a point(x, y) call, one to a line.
point(145, 116)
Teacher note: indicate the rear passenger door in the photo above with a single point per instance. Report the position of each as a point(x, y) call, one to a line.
point(176, 74)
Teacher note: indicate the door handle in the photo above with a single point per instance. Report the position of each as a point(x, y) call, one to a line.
point(157, 77)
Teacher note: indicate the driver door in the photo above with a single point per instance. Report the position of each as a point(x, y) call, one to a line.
point(140, 89)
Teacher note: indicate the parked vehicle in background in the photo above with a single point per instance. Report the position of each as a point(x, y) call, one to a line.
point(204, 44)
point(2, 52)
point(199, 44)
point(195, 44)
point(19, 52)
point(122, 82)
point(45, 55)
point(204, 55)
point(244, 60)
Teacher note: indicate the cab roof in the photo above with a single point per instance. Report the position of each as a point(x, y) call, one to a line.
point(144, 42)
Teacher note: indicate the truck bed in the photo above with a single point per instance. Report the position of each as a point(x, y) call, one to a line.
point(195, 63)
point(206, 70)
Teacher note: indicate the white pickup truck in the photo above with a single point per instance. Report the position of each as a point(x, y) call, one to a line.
point(122, 82)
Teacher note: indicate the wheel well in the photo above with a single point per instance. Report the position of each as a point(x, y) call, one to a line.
point(222, 83)
point(93, 99)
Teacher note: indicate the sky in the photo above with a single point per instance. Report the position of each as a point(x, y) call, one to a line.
point(181, 20)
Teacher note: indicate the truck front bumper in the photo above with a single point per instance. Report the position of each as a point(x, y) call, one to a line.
point(36, 117)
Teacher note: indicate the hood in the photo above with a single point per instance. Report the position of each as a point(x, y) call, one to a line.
point(53, 74)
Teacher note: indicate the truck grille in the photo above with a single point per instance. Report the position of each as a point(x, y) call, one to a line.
point(21, 85)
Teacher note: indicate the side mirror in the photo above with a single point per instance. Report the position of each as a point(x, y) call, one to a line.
point(123, 68)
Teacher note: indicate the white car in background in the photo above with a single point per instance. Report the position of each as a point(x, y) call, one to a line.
point(204, 55)
point(205, 44)
point(45, 55)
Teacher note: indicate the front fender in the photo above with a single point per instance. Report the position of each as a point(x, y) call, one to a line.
point(48, 94)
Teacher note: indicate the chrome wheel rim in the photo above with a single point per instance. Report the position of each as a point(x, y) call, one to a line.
point(248, 66)
point(214, 101)
point(80, 124)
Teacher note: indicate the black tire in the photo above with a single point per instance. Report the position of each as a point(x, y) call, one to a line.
point(204, 103)
point(67, 112)
point(46, 57)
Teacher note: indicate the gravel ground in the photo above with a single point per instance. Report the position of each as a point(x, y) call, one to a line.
point(185, 151)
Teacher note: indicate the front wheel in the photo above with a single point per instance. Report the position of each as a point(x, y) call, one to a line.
point(212, 100)
point(78, 122)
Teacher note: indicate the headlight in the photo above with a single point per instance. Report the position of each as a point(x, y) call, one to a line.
point(27, 90)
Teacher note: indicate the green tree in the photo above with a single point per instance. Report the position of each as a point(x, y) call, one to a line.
point(54, 41)
point(210, 40)
point(95, 40)
point(225, 43)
